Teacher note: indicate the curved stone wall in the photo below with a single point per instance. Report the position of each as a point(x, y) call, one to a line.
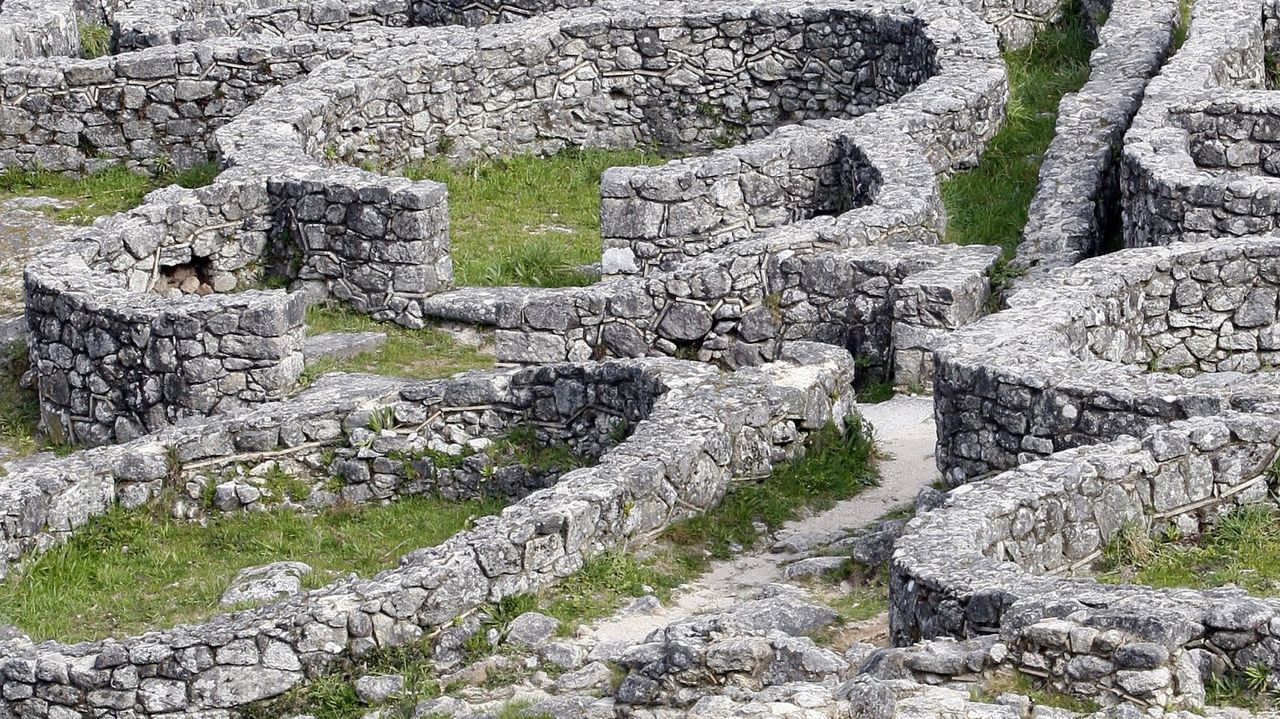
point(1081, 357)
point(380, 244)
point(869, 279)
point(991, 559)
point(728, 425)
point(1192, 169)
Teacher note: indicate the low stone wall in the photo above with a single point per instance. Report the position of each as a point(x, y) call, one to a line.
point(150, 110)
point(887, 290)
point(111, 364)
point(986, 562)
point(148, 23)
point(379, 245)
point(729, 425)
point(1169, 197)
point(637, 80)
point(39, 28)
point(438, 449)
point(1077, 200)
point(484, 12)
point(1076, 358)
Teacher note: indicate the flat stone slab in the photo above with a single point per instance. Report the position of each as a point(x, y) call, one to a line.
point(341, 345)
point(264, 583)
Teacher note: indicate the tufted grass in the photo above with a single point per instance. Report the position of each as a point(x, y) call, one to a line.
point(19, 408)
point(1243, 549)
point(527, 220)
point(95, 39)
point(419, 354)
point(131, 570)
point(107, 191)
point(988, 204)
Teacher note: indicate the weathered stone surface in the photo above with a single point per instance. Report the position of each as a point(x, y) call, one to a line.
point(254, 585)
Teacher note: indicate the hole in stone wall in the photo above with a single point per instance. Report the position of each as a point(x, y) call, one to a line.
point(188, 278)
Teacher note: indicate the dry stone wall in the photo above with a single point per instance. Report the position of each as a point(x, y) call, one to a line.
point(989, 562)
point(728, 425)
point(1076, 207)
point(1182, 179)
point(1110, 347)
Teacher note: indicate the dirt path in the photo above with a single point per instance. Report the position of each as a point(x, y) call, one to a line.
point(904, 431)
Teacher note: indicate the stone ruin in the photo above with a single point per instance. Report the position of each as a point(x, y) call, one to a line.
point(803, 226)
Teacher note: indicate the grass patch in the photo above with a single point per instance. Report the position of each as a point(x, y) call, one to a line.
point(95, 39)
point(527, 220)
point(19, 407)
point(988, 204)
point(869, 597)
point(419, 354)
point(129, 570)
point(837, 465)
point(1243, 548)
point(105, 192)
point(520, 445)
point(1018, 683)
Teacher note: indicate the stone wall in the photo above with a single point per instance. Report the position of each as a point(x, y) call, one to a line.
point(600, 78)
point(444, 448)
point(988, 562)
point(728, 425)
point(379, 245)
point(148, 23)
point(153, 109)
point(888, 288)
point(38, 28)
point(1077, 200)
point(1167, 196)
point(1076, 358)
point(111, 364)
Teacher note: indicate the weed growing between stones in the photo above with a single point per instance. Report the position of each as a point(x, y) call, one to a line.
point(421, 354)
point(105, 192)
point(527, 220)
point(1247, 689)
point(1022, 684)
point(988, 204)
point(131, 570)
point(95, 39)
point(1242, 548)
point(332, 695)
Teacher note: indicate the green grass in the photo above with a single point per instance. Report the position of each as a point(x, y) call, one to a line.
point(988, 204)
point(95, 39)
point(105, 192)
point(332, 695)
point(1183, 28)
point(527, 220)
point(130, 570)
point(837, 466)
point(19, 407)
point(419, 354)
point(1243, 548)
